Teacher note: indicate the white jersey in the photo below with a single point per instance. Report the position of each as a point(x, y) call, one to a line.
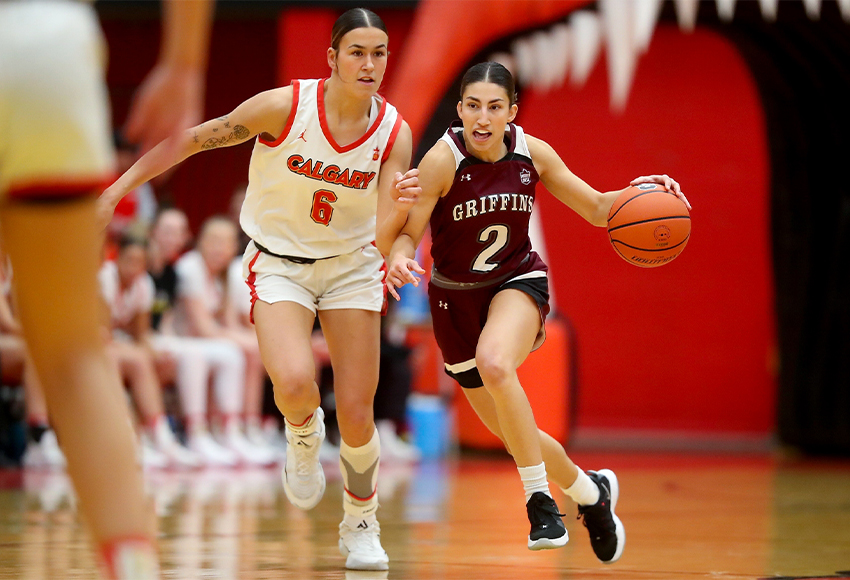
point(307, 195)
point(125, 303)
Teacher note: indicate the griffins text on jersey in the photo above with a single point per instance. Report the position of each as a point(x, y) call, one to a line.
point(330, 173)
point(493, 203)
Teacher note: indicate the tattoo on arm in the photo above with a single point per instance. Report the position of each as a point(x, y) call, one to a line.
point(239, 133)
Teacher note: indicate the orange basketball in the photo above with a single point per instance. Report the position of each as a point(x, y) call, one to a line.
point(648, 225)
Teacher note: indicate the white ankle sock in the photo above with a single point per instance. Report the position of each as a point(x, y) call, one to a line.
point(534, 479)
point(304, 428)
point(583, 491)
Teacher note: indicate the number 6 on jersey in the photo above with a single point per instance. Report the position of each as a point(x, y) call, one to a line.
point(322, 210)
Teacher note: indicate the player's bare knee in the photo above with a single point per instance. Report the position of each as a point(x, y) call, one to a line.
point(495, 370)
point(293, 386)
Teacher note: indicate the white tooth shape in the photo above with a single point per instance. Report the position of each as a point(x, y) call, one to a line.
point(560, 55)
point(586, 43)
point(505, 59)
point(768, 9)
point(844, 6)
point(812, 9)
point(620, 50)
point(726, 10)
point(523, 53)
point(686, 13)
point(645, 18)
point(542, 49)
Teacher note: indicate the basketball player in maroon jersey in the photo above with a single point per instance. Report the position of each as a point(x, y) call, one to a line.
point(489, 290)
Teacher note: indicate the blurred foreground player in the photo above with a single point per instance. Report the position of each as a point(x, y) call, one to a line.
point(55, 155)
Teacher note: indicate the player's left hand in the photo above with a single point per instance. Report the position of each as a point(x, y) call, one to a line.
point(405, 189)
point(400, 273)
point(667, 181)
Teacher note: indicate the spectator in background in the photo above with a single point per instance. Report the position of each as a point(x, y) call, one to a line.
point(128, 292)
point(203, 310)
point(198, 359)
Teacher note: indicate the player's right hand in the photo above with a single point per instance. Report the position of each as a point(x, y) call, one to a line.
point(401, 273)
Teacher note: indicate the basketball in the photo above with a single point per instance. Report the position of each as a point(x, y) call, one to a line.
point(648, 225)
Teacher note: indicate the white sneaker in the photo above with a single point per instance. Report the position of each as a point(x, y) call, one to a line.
point(168, 445)
point(362, 546)
point(212, 453)
point(45, 453)
point(251, 454)
point(303, 476)
point(394, 447)
point(150, 457)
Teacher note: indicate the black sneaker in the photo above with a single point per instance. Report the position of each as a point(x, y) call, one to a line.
point(547, 528)
point(607, 535)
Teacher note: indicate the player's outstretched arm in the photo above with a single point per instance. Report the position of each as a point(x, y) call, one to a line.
point(436, 173)
point(589, 203)
point(266, 112)
point(571, 190)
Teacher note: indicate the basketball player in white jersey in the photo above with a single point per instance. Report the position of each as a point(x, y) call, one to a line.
point(55, 152)
point(329, 155)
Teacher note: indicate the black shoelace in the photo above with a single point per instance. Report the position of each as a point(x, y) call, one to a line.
point(537, 511)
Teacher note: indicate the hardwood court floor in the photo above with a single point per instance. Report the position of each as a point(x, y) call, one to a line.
point(687, 517)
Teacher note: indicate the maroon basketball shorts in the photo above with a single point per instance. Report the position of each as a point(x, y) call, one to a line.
point(459, 316)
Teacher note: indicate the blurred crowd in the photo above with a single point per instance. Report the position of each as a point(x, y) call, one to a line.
point(176, 318)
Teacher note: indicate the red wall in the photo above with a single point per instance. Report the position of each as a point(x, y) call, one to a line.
point(688, 345)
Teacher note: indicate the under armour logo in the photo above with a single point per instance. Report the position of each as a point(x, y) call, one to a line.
point(362, 525)
point(444, 305)
point(301, 136)
point(375, 154)
point(466, 177)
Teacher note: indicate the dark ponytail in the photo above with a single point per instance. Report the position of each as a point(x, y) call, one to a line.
point(355, 18)
point(490, 72)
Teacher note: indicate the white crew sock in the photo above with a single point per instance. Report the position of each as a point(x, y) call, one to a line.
point(359, 466)
point(534, 480)
point(583, 490)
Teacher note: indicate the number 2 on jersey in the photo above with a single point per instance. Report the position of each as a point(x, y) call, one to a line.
point(501, 239)
point(322, 210)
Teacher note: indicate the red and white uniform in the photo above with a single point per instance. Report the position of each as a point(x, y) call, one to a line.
point(54, 111)
point(125, 303)
point(310, 197)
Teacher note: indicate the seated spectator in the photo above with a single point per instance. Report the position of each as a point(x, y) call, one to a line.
point(128, 292)
point(199, 360)
point(202, 310)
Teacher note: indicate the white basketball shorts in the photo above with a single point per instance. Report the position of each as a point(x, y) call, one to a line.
point(55, 136)
point(350, 281)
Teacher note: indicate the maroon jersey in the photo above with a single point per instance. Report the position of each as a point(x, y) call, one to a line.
point(479, 229)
